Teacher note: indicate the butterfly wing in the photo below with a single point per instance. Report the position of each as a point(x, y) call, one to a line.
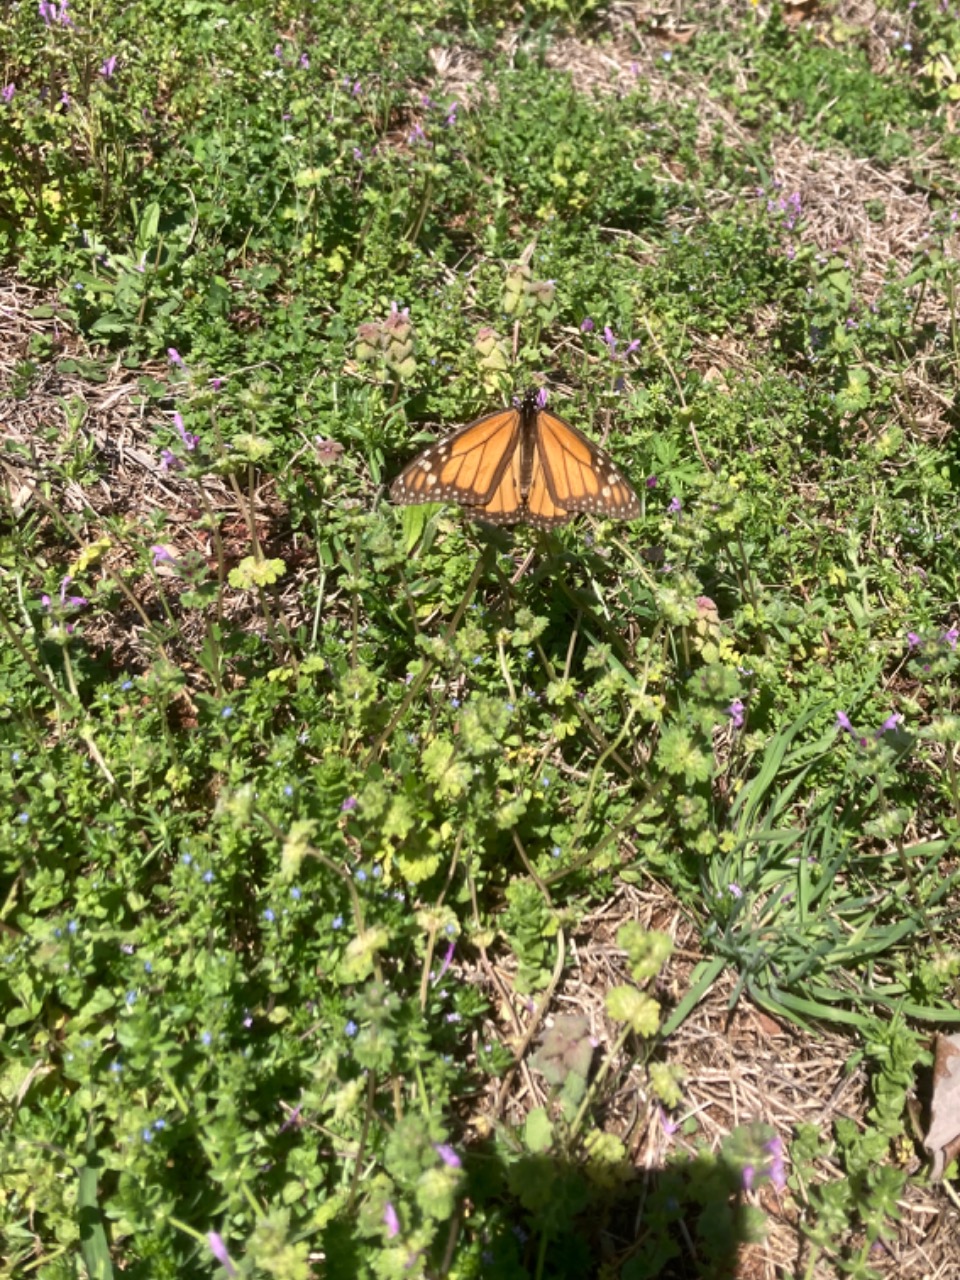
point(577, 474)
point(470, 467)
point(518, 465)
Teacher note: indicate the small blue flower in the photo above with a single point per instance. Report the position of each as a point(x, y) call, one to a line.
point(206, 1037)
point(148, 1135)
point(208, 877)
point(295, 894)
point(23, 817)
point(269, 916)
point(226, 713)
point(350, 1028)
point(72, 927)
point(131, 998)
point(159, 1124)
point(337, 922)
point(361, 875)
point(116, 1067)
point(288, 790)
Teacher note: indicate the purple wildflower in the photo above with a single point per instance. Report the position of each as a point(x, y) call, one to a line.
point(160, 555)
point(735, 712)
point(278, 52)
point(843, 722)
point(219, 1251)
point(391, 1220)
point(169, 461)
point(542, 396)
point(747, 1176)
point(7, 92)
point(416, 135)
point(675, 506)
point(778, 1176)
point(446, 961)
point(734, 890)
point(586, 325)
point(174, 356)
point(952, 636)
point(889, 725)
point(109, 66)
point(651, 482)
point(451, 119)
point(305, 62)
point(669, 1126)
point(610, 340)
point(349, 804)
point(447, 1155)
point(913, 640)
point(189, 440)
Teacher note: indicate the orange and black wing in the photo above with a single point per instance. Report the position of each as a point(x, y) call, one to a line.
point(519, 465)
point(470, 467)
point(577, 474)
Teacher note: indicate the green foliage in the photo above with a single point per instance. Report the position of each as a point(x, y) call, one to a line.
point(298, 790)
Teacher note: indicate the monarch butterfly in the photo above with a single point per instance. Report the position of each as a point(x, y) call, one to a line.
point(521, 464)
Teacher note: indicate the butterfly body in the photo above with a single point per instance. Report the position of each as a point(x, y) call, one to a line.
point(519, 465)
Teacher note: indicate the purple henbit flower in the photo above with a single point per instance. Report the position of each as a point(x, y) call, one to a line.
point(778, 1176)
point(447, 1155)
point(446, 960)
point(416, 135)
point(631, 347)
point(391, 1220)
point(169, 461)
point(160, 555)
point(219, 1251)
point(670, 1127)
point(913, 640)
point(304, 61)
point(7, 92)
point(889, 725)
point(651, 482)
point(610, 340)
point(542, 396)
point(735, 712)
point(349, 804)
point(952, 636)
point(278, 52)
point(189, 440)
point(451, 119)
point(174, 356)
point(735, 891)
point(675, 506)
point(843, 722)
point(586, 325)
point(747, 1176)
point(107, 69)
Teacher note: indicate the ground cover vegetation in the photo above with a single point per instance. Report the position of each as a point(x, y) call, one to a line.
point(385, 894)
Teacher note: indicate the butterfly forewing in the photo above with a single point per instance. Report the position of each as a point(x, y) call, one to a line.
point(466, 467)
point(579, 474)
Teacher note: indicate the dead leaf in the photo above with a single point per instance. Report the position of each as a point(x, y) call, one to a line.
point(943, 1136)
